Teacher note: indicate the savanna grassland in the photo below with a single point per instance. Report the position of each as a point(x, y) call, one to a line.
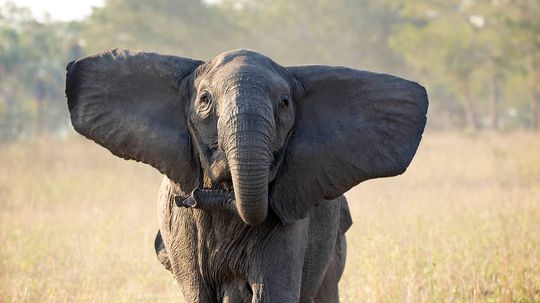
point(461, 225)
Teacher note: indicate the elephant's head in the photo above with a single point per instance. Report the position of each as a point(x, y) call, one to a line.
point(280, 137)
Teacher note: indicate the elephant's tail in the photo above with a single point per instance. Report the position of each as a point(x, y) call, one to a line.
point(161, 252)
point(345, 220)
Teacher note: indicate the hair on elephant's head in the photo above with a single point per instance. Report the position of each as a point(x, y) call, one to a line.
point(280, 137)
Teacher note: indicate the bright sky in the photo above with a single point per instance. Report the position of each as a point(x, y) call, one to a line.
point(64, 10)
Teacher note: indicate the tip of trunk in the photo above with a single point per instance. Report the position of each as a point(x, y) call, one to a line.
point(254, 219)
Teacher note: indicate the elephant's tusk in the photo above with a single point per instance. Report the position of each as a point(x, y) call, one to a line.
point(189, 202)
point(207, 199)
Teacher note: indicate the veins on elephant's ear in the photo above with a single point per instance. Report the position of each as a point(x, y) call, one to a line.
point(185, 89)
point(297, 87)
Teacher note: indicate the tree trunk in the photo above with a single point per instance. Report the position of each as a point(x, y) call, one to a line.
point(535, 95)
point(40, 106)
point(494, 102)
point(470, 115)
point(534, 110)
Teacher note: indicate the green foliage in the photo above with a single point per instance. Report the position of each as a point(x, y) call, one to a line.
point(469, 47)
point(329, 32)
point(32, 59)
point(187, 27)
point(480, 59)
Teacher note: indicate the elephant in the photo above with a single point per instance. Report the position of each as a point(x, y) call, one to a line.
point(256, 158)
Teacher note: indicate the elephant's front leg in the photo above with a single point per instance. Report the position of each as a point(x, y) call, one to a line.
point(179, 234)
point(276, 275)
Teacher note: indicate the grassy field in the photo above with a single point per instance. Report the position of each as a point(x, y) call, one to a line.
point(461, 225)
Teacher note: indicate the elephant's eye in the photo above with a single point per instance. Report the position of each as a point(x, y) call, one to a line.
point(284, 103)
point(205, 98)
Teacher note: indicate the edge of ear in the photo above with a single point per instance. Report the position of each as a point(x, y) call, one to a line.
point(351, 126)
point(129, 102)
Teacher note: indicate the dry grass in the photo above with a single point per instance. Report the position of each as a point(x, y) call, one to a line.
point(78, 225)
point(462, 225)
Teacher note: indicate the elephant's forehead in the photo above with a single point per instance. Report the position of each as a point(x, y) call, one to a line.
point(242, 62)
point(240, 57)
point(242, 65)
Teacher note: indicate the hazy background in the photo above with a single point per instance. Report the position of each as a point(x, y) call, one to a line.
point(461, 225)
point(479, 59)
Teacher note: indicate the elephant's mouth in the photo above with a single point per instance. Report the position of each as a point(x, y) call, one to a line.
point(221, 194)
point(214, 193)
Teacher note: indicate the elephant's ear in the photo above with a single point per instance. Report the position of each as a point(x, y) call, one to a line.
point(130, 103)
point(351, 126)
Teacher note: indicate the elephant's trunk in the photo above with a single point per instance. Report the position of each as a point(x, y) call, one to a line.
point(247, 137)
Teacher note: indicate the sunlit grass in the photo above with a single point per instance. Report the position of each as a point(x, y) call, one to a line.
point(461, 225)
point(77, 225)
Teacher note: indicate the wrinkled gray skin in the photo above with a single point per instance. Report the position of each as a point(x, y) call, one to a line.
point(284, 143)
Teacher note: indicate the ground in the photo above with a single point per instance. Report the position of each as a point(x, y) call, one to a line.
point(461, 225)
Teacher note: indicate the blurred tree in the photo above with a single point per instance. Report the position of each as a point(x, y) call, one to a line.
point(32, 60)
point(469, 47)
point(12, 56)
point(348, 32)
point(441, 43)
point(492, 38)
point(189, 28)
point(480, 59)
point(523, 20)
